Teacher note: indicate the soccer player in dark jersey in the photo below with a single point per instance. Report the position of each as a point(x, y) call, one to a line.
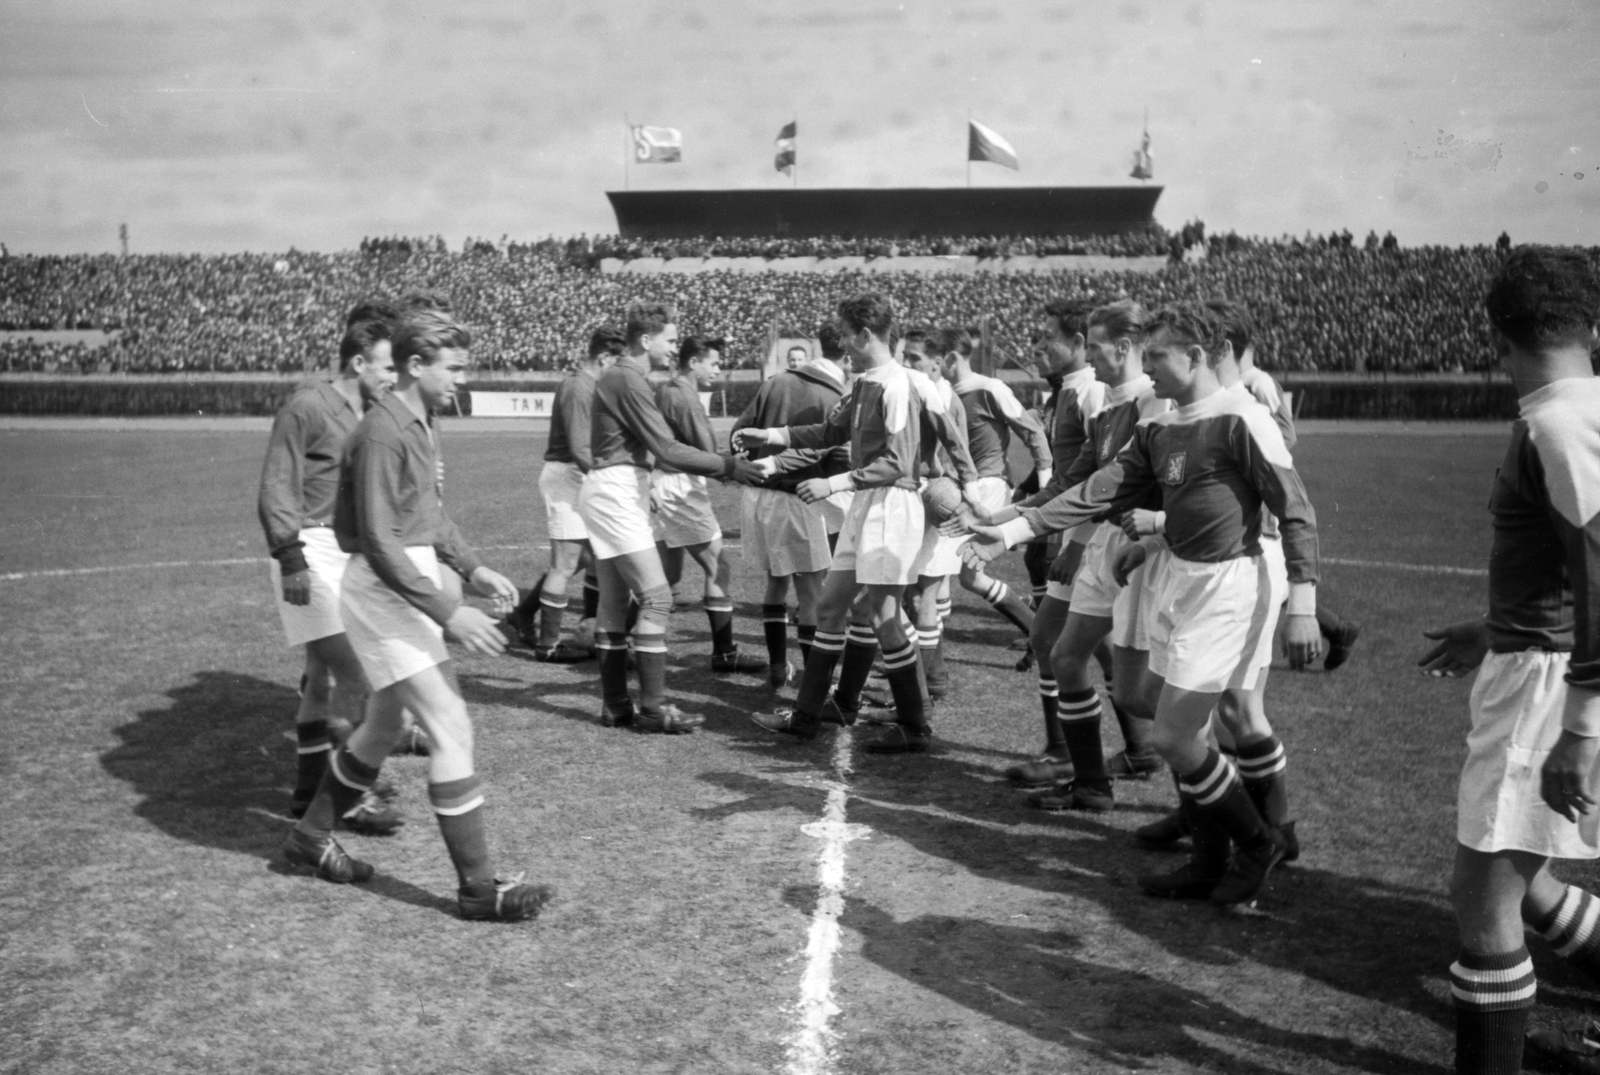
point(1535, 705)
point(389, 515)
point(628, 434)
point(567, 458)
point(684, 520)
point(1216, 460)
point(299, 482)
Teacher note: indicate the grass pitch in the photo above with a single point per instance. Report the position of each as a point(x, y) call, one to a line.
point(146, 924)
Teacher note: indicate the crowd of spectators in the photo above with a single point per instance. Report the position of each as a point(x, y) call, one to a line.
point(1322, 302)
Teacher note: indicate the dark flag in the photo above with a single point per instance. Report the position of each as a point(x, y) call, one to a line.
point(784, 161)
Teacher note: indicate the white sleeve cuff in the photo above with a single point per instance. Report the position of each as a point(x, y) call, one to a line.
point(1582, 714)
point(1161, 522)
point(1045, 474)
point(779, 436)
point(1302, 599)
point(840, 483)
point(1017, 532)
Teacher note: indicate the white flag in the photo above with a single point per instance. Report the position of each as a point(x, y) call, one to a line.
point(984, 144)
point(657, 145)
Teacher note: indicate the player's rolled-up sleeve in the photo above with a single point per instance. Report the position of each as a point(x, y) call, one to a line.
point(280, 503)
point(641, 415)
point(378, 472)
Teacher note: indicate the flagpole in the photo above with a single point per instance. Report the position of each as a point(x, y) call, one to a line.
point(627, 151)
point(969, 149)
point(794, 171)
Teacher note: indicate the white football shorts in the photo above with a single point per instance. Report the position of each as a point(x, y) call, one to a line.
point(615, 505)
point(881, 536)
point(560, 484)
point(1208, 620)
point(326, 562)
point(782, 536)
point(683, 513)
point(392, 638)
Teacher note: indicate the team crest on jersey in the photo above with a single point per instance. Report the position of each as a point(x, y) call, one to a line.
point(1174, 471)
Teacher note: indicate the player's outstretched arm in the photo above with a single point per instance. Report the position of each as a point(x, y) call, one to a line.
point(1461, 648)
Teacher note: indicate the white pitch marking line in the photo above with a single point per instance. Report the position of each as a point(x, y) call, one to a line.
point(811, 1047)
point(67, 572)
point(1426, 569)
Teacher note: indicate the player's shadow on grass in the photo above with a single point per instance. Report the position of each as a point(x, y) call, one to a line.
point(216, 768)
point(1037, 981)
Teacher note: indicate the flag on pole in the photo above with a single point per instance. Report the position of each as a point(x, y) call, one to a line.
point(784, 161)
point(1144, 166)
point(657, 145)
point(984, 144)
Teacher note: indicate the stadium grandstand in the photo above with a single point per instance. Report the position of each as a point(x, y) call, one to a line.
point(1324, 303)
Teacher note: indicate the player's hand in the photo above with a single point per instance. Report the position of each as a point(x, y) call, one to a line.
point(1140, 522)
point(960, 524)
point(496, 587)
point(1564, 778)
point(747, 472)
point(813, 490)
point(475, 630)
point(297, 587)
point(745, 439)
point(1461, 648)
point(768, 466)
point(986, 544)
point(1129, 560)
point(1302, 639)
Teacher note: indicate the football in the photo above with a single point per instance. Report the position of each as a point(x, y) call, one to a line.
point(942, 497)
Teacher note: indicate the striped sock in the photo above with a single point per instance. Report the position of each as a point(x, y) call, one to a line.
point(458, 804)
point(1218, 792)
point(944, 604)
point(930, 643)
point(650, 655)
point(312, 748)
point(719, 610)
point(1012, 608)
point(612, 647)
point(1492, 994)
point(803, 635)
point(1571, 930)
point(1050, 702)
point(775, 627)
point(591, 597)
point(1036, 594)
point(860, 650)
point(1263, 767)
point(551, 610)
point(347, 779)
point(1080, 726)
point(908, 686)
point(818, 678)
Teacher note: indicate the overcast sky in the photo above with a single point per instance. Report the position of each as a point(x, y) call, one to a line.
point(265, 124)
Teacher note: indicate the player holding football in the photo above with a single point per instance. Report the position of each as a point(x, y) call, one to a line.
point(784, 537)
point(389, 515)
point(683, 519)
point(1535, 705)
point(882, 420)
point(1216, 459)
point(299, 482)
point(567, 458)
point(629, 432)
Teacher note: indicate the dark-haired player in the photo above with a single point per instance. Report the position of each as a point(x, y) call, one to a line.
point(784, 537)
point(1529, 786)
point(684, 520)
point(882, 420)
point(629, 433)
point(1216, 460)
point(390, 517)
point(299, 482)
point(567, 458)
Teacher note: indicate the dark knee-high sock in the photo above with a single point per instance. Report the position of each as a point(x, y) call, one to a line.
point(1492, 996)
point(650, 654)
point(1036, 558)
point(1009, 605)
point(775, 627)
point(946, 605)
point(1573, 930)
point(529, 605)
point(1209, 842)
point(591, 597)
point(1080, 724)
point(1264, 767)
point(347, 779)
point(1050, 703)
point(930, 646)
point(613, 650)
point(860, 650)
point(458, 804)
point(804, 633)
point(1220, 794)
point(551, 611)
point(719, 610)
point(312, 747)
point(1135, 732)
point(907, 684)
point(818, 678)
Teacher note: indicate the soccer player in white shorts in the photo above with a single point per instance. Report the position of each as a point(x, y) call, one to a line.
point(1216, 458)
point(1530, 783)
point(390, 516)
point(299, 481)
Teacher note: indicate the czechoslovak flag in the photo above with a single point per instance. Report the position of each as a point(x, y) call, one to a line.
point(784, 160)
point(657, 145)
point(1144, 165)
point(986, 145)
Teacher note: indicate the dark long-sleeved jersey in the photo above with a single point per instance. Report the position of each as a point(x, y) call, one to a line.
point(1215, 462)
point(882, 421)
point(1079, 399)
point(993, 414)
point(1544, 565)
point(798, 397)
point(679, 403)
point(300, 478)
point(1110, 431)
point(628, 429)
point(570, 417)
